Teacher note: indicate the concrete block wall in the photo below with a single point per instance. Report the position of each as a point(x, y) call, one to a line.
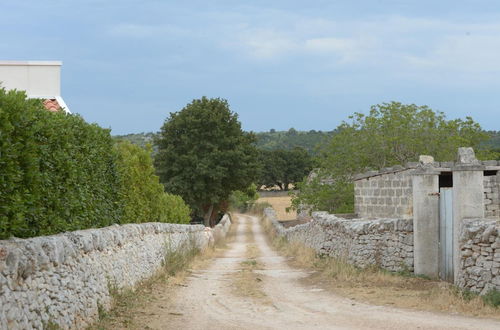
point(65, 279)
point(492, 196)
point(388, 194)
point(387, 243)
point(479, 269)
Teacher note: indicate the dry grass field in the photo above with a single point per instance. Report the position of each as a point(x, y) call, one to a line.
point(280, 204)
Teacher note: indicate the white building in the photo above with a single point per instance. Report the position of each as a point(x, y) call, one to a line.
point(40, 79)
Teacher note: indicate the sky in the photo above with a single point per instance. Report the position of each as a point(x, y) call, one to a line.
point(280, 64)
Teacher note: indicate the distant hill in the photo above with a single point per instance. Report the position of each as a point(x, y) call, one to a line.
point(494, 142)
point(290, 139)
point(271, 140)
point(287, 140)
point(140, 139)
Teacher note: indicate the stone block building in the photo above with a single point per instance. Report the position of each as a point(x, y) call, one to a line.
point(455, 208)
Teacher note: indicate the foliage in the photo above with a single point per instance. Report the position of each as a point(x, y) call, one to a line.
point(203, 154)
point(333, 197)
point(394, 133)
point(284, 167)
point(57, 173)
point(141, 193)
point(391, 134)
point(140, 139)
point(308, 140)
point(288, 140)
point(243, 200)
point(492, 298)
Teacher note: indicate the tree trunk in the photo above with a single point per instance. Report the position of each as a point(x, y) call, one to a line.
point(208, 215)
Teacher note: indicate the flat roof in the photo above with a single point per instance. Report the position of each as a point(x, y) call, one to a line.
point(14, 63)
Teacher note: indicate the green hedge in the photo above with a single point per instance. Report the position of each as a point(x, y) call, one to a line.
point(141, 192)
point(59, 173)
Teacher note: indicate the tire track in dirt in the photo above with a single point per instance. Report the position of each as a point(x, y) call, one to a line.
point(208, 300)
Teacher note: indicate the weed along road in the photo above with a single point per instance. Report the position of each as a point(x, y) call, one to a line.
point(249, 286)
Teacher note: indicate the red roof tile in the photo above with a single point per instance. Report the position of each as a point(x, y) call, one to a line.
point(52, 105)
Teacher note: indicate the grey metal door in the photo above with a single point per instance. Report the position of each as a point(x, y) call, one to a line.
point(446, 234)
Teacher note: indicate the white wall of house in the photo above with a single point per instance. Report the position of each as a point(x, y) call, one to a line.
point(40, 79)
point(37, 78)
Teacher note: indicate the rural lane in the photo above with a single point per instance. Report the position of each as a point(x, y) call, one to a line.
point(208, 300)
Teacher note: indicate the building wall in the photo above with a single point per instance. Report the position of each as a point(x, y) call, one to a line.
point(492, 196)
point(384, 195)
point(37, 78)
point(479, 269)
point(66, 279)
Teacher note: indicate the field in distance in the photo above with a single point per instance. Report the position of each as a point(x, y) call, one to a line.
point(280, 203)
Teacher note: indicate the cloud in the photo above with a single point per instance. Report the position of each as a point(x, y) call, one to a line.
point(145, 31)
point(464, 53)
point(268, 44)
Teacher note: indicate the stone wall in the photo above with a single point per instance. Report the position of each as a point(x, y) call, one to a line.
point(492, 196)
point(387, 194)
point(65, 279)
point(387, 243)
point(479, 269)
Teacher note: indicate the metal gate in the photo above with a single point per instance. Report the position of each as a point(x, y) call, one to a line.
point(446, 234)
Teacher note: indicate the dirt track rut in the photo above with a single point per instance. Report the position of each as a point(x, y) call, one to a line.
point(208, 301)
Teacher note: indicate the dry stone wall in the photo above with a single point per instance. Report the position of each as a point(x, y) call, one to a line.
point(387, 243)
point(479, 269)
point(492, 196)
point(386, 194)
point(65, 279)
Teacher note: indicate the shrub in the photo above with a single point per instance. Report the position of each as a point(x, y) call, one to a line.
point(57, 172)
point(492, 298)
point(243, 200)
point(141, 193)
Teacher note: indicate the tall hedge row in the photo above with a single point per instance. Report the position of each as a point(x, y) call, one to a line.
point(57, 172)
point(142, 193)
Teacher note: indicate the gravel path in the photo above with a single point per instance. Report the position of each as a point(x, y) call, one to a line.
point(208, 302)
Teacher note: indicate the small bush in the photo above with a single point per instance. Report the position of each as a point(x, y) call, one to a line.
point(244, 200)
point(492, 298)
point(258, 208)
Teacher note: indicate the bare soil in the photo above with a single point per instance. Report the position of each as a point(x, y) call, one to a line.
point(207, 299)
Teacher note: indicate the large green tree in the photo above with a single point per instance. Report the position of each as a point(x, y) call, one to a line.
point(391, 134)
point(284, 167)
point(204, 155)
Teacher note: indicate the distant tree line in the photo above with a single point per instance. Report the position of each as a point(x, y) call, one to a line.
point(391, 133)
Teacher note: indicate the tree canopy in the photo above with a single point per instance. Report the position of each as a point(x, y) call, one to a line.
point(204, 155)
point(392, 133)
point(284, 167)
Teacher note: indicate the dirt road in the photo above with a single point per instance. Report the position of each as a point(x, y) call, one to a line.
point(209, 300)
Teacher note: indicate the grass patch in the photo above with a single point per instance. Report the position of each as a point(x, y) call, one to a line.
point(381, 287)
point(492, 298)
point(246, 282)
point(178, 258)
